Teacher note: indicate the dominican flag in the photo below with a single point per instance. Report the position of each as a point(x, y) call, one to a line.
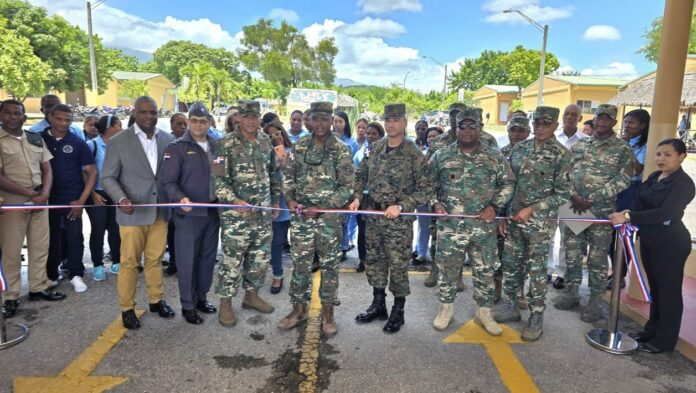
point(3, 281)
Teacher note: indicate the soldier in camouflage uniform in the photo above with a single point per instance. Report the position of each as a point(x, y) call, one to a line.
point(542, 169)
point(468, 177)
point(439, 142)
point(602, 168)
point(245, 173)
point(395, 176)
point(518, 131)
point(318, 174)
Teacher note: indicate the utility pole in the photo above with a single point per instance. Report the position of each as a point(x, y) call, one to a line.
point(444, 89)
point(92, 55)
point(545, 30)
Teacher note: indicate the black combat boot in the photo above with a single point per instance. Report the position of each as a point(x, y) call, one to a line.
point(378, 308)
point(396, 318)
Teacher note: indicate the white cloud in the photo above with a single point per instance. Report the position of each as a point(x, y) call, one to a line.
point(531, 8)
point(613, 69)
point(385, 6)
point(120, 29)
point(601, 33)
point(375, 27)
point(283, 14)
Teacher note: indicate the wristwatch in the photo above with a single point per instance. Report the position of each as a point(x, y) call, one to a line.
point(627, 216)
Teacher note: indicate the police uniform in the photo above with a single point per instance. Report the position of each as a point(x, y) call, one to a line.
point(20, 161)
point(245, 170)
point(317, 176)
point(395, 176)
point(187, 173)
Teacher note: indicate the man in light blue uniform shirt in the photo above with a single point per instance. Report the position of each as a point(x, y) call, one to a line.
point(47, 102)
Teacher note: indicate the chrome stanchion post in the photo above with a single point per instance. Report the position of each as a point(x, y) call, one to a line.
point(11, 335)
point(610, 339)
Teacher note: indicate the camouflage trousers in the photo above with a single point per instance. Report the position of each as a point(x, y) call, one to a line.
point(526, 249)
point(246, 246)
point(598, 237)
point(323, 235)
point(388, 242)
point(456, 239)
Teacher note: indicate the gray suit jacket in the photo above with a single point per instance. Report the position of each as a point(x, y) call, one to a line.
point(126, 174)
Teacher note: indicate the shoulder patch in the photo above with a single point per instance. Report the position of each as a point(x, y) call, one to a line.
point(34, 138)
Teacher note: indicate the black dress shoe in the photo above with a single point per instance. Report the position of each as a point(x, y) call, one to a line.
point(641, 337)
point(50, 296)
point(162, 309)
point(344, 257)
point(361, 267)
point(205, 307)
point(130, 320)
point(192, 317)
point(276, 290)
point(649, 348)
point(170, 270)
point(9, 308)
point(559, 283)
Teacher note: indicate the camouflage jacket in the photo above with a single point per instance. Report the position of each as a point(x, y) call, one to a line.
point(601, 169)
point(319, 178)
point(543, 177)
point(246, 171)
point(393, 177)
point(466, 183)
point(450, 137)
point(506, 150)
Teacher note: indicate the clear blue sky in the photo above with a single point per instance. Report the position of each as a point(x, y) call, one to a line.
point(383, 41)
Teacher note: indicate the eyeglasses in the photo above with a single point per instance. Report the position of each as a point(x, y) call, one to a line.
point(542, 123)
point(198, 121)
point(310, 157)
point(472, 126)
point(276, 134)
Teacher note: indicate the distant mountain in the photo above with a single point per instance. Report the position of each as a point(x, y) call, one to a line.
point(347, 83)
point(143, 57)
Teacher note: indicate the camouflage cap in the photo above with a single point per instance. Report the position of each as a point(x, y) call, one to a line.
point(479, 111)
point(249, 107)
point(547, 113)
point(468, 113)
point(392, 111)
point(198, 109)
point(457, 106)
point(518, 121)
point(607, 109)
point(323, 109)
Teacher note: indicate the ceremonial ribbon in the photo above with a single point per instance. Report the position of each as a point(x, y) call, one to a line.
point(3, 280)
point(626, 231)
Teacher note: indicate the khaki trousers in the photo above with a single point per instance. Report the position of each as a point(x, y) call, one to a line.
point(15, 226)
point(136, 241)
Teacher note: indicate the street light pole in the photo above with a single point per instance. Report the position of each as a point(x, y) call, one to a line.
point(444, 83)
point(92, 55)
point(545, 30)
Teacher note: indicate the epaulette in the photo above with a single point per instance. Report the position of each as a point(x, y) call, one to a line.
point(34, 138)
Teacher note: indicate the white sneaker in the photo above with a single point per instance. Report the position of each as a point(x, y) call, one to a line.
point(79, 284)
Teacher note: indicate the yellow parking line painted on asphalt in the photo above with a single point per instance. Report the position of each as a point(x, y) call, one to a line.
point(309, 354)
point(75, 377)
point(511, 371)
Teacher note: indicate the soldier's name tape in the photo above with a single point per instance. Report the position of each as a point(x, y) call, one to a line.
point(625, 230)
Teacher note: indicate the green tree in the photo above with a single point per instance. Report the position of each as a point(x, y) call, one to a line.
point(282, 54)
point(23, 73)
point(653, 35)
point(173, 56)
point(132, 89)
point(197, 82)
point(520, 68)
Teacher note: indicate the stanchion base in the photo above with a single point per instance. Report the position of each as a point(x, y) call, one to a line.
point(15, 335)
point(618, 343)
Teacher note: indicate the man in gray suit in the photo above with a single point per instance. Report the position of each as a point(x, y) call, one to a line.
point(130, 175)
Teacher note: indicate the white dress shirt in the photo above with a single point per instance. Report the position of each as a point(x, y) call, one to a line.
point(567, 141)
point(149, 146)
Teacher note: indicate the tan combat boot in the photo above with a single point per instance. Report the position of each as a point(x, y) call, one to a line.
point(444, 316)
point(484, 318)
point(253, 301)
point(328, 323)
point(296, 316)
point(226, 315)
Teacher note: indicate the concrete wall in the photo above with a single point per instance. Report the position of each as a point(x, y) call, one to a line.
point(32, 105)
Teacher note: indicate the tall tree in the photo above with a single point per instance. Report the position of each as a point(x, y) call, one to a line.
point(22, 73)
point(519, 67)
point(653, 35)
point(171, 57)
point(282, 54)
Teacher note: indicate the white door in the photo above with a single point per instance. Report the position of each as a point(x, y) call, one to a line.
point(503, 112)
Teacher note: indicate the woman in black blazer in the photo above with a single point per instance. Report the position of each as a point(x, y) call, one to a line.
point(665, 243)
